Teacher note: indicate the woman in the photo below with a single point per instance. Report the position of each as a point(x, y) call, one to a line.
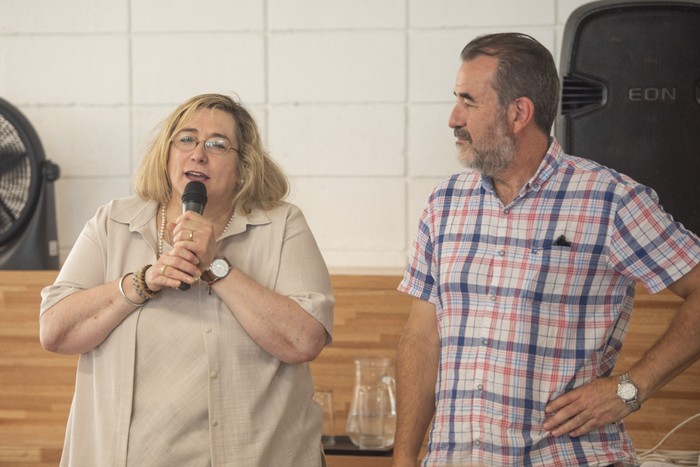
point(216, 374)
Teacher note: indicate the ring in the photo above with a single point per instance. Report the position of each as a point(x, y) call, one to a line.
point(190, 236)
point(162, 270)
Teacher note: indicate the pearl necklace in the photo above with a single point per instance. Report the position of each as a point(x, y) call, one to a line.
point(164, 222)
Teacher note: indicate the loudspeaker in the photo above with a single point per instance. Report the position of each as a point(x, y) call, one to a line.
point(631, 95)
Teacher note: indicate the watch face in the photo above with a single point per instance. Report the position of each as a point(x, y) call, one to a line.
point(219, 268)
point(626, 391)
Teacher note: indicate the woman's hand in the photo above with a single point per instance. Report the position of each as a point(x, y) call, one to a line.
point(194, 247)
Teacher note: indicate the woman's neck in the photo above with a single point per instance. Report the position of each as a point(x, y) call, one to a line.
point(220, 216)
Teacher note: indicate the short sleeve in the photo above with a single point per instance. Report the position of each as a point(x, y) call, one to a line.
point(647, 245)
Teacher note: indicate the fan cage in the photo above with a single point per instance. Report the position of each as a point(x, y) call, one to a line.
point(21, 158)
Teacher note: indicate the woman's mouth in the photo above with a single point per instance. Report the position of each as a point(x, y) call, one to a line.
point(199, 176)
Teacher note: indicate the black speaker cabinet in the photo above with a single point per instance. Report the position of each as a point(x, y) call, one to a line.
point(631, 95)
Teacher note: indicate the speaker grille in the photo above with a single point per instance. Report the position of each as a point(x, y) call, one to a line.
point(580, 95)
point(631, 94)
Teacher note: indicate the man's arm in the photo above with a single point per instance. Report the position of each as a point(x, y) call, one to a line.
point(596, 404)
point(416, 373)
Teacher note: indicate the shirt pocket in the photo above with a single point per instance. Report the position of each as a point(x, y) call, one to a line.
point(556, 273)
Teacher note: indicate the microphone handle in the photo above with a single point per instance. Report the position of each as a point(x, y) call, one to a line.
point(199, 209)
point(193, 206)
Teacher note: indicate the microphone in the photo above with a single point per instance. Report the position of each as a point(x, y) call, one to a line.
point(194, 198)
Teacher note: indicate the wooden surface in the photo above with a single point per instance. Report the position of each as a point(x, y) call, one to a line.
point(355, 461)
point(36, 386)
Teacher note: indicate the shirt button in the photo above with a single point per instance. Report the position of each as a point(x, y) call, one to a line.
point(207, 330)
point(214, 423)
point(492, 297)
point(506, 211)
point(477, 443)
point(501, 253)
point(480, 387)
point(214, 374)
point(485, 342)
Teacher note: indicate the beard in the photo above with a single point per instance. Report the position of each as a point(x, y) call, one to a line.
point(489, 160)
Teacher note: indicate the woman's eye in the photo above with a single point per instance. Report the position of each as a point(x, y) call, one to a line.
point(186, 139)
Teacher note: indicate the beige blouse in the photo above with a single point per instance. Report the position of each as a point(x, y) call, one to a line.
point(179, 382)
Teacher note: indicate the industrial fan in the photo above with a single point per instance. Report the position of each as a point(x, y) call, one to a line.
point(28, 238)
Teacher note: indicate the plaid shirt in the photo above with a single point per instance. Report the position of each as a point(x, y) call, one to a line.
point(534, 299)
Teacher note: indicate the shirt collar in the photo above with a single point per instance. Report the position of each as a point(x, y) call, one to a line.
point(134, 212)
point(241, 221)
point(549, 165)
point(138, 215)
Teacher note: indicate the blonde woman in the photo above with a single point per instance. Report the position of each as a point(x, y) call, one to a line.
point(216, 374)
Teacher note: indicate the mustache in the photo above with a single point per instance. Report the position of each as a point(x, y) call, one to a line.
point(461, 133)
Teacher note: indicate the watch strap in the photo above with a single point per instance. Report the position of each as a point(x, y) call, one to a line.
point(209, 277)
point(632, 404)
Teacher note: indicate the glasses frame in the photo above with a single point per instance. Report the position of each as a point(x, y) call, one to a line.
point(206, 148)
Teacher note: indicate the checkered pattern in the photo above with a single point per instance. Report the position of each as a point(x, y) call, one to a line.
point(532, 300)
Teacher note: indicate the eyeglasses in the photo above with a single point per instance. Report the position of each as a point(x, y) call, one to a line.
point(216, 146)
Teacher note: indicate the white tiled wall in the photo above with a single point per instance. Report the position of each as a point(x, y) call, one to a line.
point(352, 97)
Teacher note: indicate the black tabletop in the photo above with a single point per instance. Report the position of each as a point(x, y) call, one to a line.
point(342, 446)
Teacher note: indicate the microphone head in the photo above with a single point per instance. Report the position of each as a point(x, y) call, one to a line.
point(194, 195)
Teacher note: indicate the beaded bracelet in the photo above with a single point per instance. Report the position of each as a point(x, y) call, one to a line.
point(121, 289)
point(142, 289)
point(148, 293)
point(137, 286)
point(142, 278)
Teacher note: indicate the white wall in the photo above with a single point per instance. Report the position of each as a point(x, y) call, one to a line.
point(352, 97)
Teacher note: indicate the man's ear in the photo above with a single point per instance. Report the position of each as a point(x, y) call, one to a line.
point(521, 112)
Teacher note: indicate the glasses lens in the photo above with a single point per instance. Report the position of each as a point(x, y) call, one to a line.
point(184, 142)
point(216, 146)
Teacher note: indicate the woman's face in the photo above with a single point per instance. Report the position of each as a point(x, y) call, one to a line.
point(218, 172)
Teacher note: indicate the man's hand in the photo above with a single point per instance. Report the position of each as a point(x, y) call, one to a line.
point(585, 408)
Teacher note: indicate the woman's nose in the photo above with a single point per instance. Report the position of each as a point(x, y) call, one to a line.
point(199, 153)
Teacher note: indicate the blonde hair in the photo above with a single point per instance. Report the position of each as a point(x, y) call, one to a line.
point(262, 182)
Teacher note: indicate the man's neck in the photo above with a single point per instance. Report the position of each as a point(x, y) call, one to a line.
point(529, 155)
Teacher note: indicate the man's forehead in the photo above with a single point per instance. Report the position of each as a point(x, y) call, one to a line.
point(475, 76)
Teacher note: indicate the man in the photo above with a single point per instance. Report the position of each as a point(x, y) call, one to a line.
point(524, 272)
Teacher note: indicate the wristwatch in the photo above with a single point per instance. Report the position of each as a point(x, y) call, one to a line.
point(628, 391)
point(218, 269)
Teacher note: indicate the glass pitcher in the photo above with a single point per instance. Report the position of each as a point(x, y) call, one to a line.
point(372, 418)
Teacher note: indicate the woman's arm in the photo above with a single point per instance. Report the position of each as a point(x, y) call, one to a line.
point(278, 324)
point(81, 321)
point(81, 310)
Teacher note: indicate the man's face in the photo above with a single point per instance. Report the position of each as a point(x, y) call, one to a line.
point(484, 140)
